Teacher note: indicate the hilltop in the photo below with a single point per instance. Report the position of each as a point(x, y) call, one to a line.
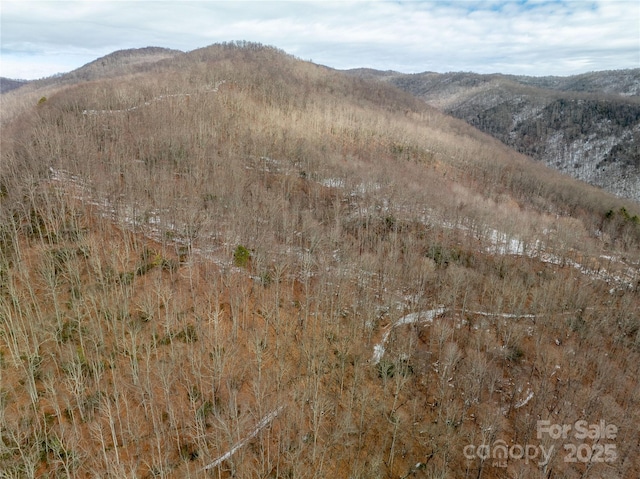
point(236, 263)
point(120, 62)
point(587, 126)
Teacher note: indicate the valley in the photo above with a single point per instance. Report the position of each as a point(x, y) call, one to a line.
point(585, 126)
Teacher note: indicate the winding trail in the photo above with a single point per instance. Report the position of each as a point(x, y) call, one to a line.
point(428, 317)
point(214, 89)
point(420, 317)
point(264, 422)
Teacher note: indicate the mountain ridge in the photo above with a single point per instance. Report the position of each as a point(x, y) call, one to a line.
point(8, 84)
point(116, 63)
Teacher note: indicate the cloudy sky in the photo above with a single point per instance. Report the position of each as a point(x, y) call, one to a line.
point(533, 37)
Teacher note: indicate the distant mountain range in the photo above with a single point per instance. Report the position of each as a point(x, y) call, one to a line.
point(7, 84)
point(587, 126)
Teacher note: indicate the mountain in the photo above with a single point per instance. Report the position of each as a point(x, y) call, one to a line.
point(236, 263)
point(114, 65)
point(614, 82)
point(121, 62)
point(7, 84)
point(587, 126)
point(118, 63)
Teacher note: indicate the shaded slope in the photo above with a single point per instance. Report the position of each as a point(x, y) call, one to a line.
point(586, 126)
point(7, 84)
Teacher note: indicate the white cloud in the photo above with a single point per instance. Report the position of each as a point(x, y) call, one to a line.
point(532, 37)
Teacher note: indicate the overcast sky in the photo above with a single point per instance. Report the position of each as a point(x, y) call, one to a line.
point(532, 37)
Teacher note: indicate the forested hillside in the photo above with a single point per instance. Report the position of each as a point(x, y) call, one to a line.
point(587, 126)
point(234, 263)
